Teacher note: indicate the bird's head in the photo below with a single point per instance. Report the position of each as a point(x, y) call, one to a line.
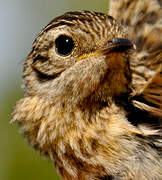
point(79, 55)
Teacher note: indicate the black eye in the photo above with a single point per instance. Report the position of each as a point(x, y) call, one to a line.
point(64, 45)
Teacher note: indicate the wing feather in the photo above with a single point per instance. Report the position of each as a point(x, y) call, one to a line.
point(144, 20)
point(152, 94)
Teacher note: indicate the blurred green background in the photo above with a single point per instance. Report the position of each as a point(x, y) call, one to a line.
point(21, 21)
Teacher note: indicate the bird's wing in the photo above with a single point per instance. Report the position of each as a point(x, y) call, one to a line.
point(149, 98)
point(144, 20)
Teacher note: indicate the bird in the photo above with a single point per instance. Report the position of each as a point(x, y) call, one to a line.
point(93, 93)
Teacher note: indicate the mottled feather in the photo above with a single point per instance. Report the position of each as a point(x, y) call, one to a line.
point(144, 19)
point(93, 111)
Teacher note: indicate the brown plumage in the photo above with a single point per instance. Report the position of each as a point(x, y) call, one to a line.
point(92, 103)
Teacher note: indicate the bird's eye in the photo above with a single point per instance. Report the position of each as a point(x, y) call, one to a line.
point(64, 45)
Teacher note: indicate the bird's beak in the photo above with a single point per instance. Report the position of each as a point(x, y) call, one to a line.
point(118, 45)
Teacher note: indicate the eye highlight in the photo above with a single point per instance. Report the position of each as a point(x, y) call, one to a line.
point(64, 45)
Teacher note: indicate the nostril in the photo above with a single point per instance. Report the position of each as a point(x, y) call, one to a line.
point(121, 40)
